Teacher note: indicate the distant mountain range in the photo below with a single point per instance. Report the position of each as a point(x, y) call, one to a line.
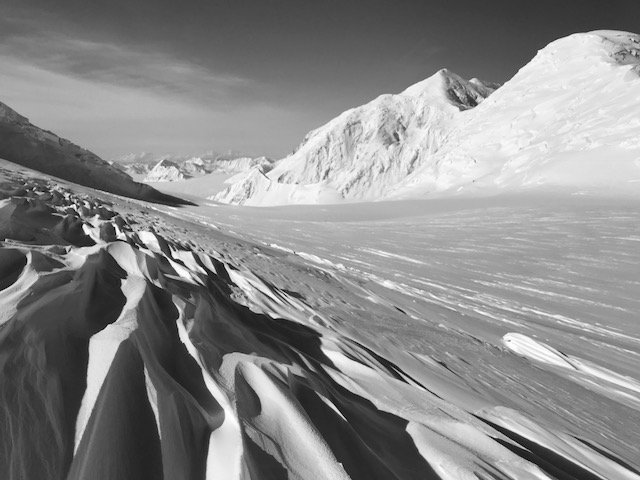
point(152, 168)
point(568, 118)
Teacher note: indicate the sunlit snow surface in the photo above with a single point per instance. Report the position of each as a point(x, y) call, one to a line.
point(567, 118)
point(482, 339)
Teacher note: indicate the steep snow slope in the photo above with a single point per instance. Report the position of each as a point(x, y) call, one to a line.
point(363, 152)
point(569, 117)
point(256, 188)
point(30, 146)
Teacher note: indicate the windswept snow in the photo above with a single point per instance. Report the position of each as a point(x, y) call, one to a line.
point(592, 376)
point(142, 344)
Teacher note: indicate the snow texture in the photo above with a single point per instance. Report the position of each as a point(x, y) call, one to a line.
point(140, 342)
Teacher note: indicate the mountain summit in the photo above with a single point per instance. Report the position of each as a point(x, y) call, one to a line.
point(165, 171)
point(451, 88)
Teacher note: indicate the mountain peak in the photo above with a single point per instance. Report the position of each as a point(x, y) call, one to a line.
point(165, 171)
point(166, 163)
point(588, 50)
point(622, 47)
point(452, 88)
point(433, 85)
point(7, 114)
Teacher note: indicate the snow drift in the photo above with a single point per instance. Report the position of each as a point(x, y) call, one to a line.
point(133, 346)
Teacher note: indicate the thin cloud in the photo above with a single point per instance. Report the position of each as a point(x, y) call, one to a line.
point(114, 64)
point(112, 120)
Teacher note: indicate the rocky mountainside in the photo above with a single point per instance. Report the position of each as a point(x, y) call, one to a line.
point(566, 119)
point(25, 144)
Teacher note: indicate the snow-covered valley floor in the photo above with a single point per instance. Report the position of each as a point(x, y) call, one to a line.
point(561, 267)
point(469, 338)
point(560, 270)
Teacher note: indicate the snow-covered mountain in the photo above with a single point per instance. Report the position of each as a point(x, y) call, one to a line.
point(149, 167)
point(136, 169)
point(25, 144)
point(366, 150)
point(165, 171)
point(139, 165)
point(194, 166)
point(569, 117)
point(241, 164)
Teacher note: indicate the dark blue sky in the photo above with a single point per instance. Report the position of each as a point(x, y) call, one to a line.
point(185, 76)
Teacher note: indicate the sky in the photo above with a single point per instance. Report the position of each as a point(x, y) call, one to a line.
point(188, 76)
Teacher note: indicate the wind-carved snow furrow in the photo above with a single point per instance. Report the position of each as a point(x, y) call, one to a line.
point(205, 366)
point(275, 302)
point(442, 433)
point(391, 255)
point(556, 449)
point(103, 347)
point(225, 443)
point(305, 454)
point(252, 285)
point(152, 395)
point(594, 377)
point(12, 294)
point(45, 373)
